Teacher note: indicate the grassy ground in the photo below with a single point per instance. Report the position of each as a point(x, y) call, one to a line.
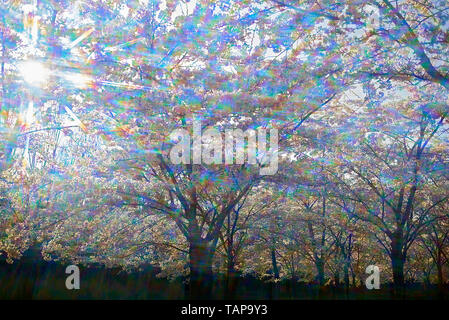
point(27, 280)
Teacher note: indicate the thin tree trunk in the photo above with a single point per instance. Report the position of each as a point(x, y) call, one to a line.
point(440, 273)
point(320, 272)
point(274, 264)
point(274, 285)
point(337, 279)
point(346, 275)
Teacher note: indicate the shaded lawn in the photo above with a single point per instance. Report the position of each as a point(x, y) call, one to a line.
point(26, 279)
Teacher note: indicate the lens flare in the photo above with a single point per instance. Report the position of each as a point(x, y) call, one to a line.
point(34, 73)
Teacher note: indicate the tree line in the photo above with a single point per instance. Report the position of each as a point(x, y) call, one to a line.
point(360, 107)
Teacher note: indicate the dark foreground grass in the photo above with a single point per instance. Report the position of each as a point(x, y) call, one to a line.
point(28, 279)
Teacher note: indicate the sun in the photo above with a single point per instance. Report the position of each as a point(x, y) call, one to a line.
point(33, 72)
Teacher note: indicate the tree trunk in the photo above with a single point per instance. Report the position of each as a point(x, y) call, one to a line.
point(320, 272)
point(398, 273)
point(397, 264)
point(440, 273)
point(337, 279)
point(353, 276)
point(201, 277)
point(231, 280)
point(274, 285)
point(346, 275)
point(274, 263)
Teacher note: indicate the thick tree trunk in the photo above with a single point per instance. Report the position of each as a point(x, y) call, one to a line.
point(397, 264)
point(231, 280)
point(201, 277)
